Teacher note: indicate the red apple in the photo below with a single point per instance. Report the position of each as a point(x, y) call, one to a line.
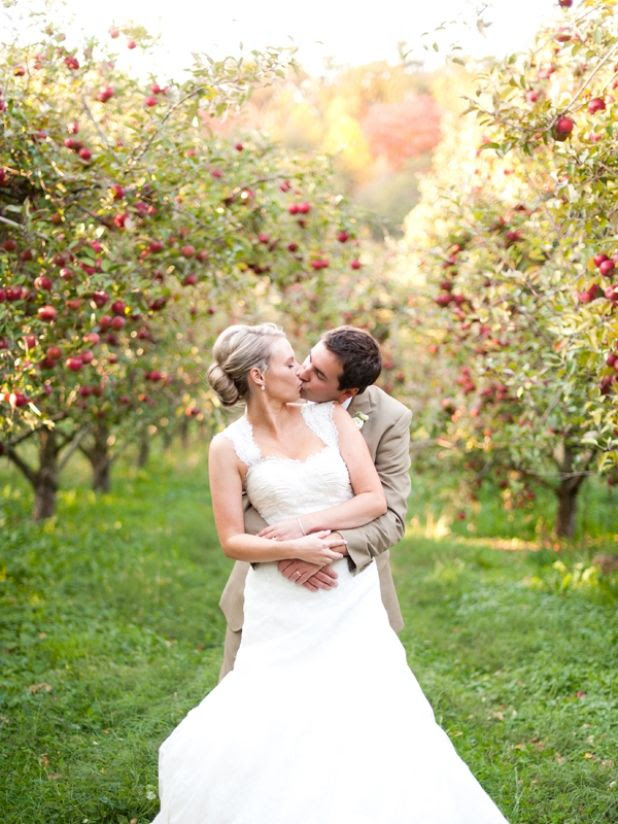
point(71, 143)
point(86, 356)
point(155, 246)
point(85, 154)
point(190, 280)
point(606, 267)
point(118, 307)
point(74, 303)
point(53, 352)
point(151, 101)
point(47, 313)
point(74, 363)
point(43, 282)
point(100, 298)
point(606, 384)
point(597, 104)
point(117, 191)
point(611, 293)
point(18, 399)
point(562, 128)
point(118, 322)
point(356, 264)
point(187, 251)
point(47, 363)
point(71, 62)
point(105, 94)
point(343, 236)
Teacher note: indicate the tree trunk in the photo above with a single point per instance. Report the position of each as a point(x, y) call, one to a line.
point(45, 480)
point(143, 453)
point(567, 490)
point(184, 432)
point(100, 459)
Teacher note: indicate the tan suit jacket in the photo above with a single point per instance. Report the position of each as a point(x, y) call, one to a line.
point(387, 433)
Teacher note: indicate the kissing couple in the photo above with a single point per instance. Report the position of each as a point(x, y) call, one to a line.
point(317, 718)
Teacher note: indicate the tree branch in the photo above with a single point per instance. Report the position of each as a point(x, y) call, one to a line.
point(23, 467)
point(167, 115)
point(592, 74)
point(70, 451)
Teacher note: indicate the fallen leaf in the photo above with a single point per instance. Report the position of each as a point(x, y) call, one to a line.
point(42, 687)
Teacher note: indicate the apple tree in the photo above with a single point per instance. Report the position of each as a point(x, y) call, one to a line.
point(517, 239)
point(123, 214)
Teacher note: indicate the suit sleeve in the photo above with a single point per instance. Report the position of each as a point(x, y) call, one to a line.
point(254, 522)
point(393, 465)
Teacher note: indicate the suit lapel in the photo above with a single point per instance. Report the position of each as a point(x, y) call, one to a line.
point(362, 403)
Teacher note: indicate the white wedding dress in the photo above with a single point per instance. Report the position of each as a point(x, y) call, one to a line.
point(321, 721)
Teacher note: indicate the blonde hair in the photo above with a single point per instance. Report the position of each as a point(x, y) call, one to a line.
point(237, 350)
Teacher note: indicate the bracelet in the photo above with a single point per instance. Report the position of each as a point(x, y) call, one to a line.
point(300, 524)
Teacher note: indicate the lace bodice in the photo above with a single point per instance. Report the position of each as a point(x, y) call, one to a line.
point(281, 487)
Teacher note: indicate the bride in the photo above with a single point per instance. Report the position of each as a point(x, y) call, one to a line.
point(321, 721)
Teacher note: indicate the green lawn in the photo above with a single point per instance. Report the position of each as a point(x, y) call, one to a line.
point(111, 632)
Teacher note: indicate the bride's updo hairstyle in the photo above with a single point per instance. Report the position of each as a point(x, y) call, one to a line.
point(237, 350)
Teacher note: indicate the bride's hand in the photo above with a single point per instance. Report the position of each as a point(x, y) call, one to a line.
point(317, 548)
point(284, 530)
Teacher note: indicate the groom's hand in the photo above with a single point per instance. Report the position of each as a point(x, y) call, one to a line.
point(308, 575)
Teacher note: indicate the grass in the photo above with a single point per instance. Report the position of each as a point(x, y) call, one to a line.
point(110, 632)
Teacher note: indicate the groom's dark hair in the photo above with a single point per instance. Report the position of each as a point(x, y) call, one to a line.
point(359, 354)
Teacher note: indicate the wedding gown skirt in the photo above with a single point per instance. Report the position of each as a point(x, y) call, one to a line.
point(321, 721)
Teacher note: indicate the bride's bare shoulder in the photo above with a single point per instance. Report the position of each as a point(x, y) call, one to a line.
point(221, 444)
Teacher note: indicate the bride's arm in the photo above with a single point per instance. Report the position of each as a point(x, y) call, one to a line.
point(224, 472)
point(368, 501)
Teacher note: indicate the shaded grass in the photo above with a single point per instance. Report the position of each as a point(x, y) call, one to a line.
point(110, 632)
point(434, 496)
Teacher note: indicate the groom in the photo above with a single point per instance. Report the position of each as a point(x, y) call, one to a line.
point(342, 367)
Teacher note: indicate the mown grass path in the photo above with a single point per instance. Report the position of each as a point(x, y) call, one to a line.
point(110, 632)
